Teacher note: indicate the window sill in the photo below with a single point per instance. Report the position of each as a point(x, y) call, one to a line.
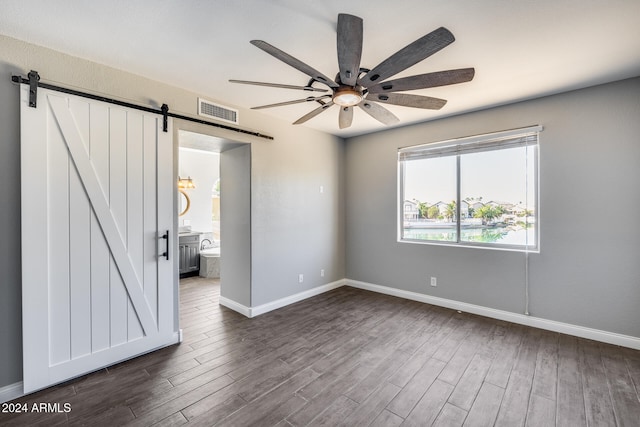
point(507, 248)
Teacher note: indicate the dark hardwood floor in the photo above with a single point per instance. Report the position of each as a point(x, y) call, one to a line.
point(354, 358)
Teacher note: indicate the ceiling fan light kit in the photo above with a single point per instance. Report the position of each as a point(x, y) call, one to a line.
point(347, 96)
point(356, 86)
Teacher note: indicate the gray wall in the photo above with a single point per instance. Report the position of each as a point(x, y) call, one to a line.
point(587, 272)
point(272, 197)
point(10, 267)
point(235, 214)
point(295, 228)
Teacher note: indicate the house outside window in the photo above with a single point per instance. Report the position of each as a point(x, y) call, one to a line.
point(411, 211)
point(479, 191)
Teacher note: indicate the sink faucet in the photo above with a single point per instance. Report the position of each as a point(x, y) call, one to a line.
point(202, 243)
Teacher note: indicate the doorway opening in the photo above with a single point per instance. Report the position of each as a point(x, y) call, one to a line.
point(204, 163)
point(199, 243)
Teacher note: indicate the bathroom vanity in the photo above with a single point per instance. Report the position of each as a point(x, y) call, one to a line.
point(189, 252)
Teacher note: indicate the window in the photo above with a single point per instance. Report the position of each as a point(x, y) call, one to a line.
point(475, 191)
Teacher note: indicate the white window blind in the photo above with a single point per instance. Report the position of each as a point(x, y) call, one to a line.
point(473, 144)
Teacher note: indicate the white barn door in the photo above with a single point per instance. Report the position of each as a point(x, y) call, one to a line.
point(97, 197)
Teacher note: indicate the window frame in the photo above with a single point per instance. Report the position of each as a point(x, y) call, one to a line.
point(477, 140)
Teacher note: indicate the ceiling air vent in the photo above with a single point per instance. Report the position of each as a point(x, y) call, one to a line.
point(217, 111)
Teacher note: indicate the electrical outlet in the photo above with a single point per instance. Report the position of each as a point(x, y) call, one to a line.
point(321, 189)
point(300, 278)
point(434, 281)
point(322, 273)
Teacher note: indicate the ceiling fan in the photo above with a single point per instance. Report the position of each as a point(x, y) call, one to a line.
point(367, 88)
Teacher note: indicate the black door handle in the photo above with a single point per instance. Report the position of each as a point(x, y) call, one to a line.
point(166, 241)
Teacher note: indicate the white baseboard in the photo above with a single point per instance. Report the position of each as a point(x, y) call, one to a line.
point(231, 304)
point(536, 322)
point(521, 319)
point(11, 391)
point(274, 305)
point(283, 302)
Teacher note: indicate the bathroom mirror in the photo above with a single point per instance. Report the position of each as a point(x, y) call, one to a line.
point(184, 203)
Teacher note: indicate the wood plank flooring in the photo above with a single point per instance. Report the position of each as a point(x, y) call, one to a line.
point(353, 358)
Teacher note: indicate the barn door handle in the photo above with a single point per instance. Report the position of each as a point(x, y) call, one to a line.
point(165, 236)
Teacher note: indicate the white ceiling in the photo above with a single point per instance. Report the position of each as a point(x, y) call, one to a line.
point(520, 49)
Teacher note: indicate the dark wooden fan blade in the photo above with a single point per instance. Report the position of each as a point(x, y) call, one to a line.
point(405, 100)
point(408, 56)
point(306, 88)
point(296, 101)
point(313, 113)
point(346, 117)
point(295, 63)
point(423, 81)
point(378, 112)
point(349, 48)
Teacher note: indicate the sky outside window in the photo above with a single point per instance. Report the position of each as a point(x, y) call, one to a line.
point(430, 180)
point(498, 175)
